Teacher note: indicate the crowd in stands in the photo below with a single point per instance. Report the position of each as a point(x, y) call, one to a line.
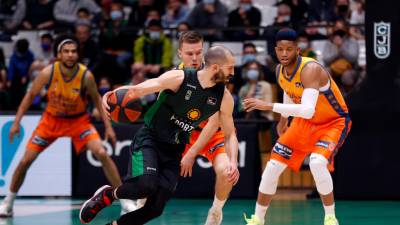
point(129, 41)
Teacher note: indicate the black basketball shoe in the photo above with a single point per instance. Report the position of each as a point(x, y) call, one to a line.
point(94, 205)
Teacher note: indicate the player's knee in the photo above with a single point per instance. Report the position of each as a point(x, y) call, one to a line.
point(100, 154)
point(322, 177)
point(222, 172)
point(148, 183)
point(270, 177)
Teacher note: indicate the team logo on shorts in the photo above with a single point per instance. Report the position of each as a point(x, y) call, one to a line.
point(85, 133)
point(37, 140)
point(215, 147)
point(194, 114)
point(283, 150)
point(382, 40)
point(327, 145)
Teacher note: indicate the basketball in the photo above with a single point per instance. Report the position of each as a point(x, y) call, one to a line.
point(122, 108)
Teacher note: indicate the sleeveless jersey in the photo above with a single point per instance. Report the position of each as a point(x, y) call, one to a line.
point(174, 115)
point(330, 104)
point(66, 97)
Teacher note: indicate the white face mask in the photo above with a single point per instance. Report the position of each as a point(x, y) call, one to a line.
point(154, 35)
point(252, 74)
point(302, 45)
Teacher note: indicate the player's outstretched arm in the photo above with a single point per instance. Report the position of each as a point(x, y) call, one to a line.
point(205, 135)
point(311, 79)
point(231, 141)
point(41, 80)
point(171, 80)
point(91, 90)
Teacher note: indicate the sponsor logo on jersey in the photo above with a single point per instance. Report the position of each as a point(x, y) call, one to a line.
point(211, 101)
point(76, 90)
point(283, 150)
point(194, 114)
point(191, 86)
point(299, 84)
point(382, 40)
point(182, 124)
point(188, 95)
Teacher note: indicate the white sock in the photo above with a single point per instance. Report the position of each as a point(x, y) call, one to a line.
point(261, 211)
point(9, 199)
point(329, 209)
point(218, 204)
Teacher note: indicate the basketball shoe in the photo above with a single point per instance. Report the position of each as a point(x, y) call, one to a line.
point(95, 204)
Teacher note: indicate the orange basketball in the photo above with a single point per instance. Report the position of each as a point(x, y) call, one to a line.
point(122, 108)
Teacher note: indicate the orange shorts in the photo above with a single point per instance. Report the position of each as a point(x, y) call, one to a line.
point(50, 128)
point(303, 138)
point(214, 146)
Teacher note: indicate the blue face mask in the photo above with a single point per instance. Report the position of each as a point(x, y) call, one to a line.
point(103, 90)
point(248, 58)
point(245, 6)
point(252, 74)
point(154, 35)
point(46, 47)
point(116, 15)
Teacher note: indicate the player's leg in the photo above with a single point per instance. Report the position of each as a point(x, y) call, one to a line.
point(6, 207)
point(109, 167)
point(222, 188)
point(323, 181)
point(267, 189)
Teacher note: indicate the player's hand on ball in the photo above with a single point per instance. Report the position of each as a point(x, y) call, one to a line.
point(187, 165)
point(233, 173)
point(106, 107)
point(251, 104)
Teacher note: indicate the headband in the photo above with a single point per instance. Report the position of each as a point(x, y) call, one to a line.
point(66, 41)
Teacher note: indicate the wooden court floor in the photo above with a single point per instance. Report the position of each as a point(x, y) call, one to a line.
point(188, 212)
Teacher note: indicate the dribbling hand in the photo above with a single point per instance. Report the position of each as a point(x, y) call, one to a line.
point(104, 104)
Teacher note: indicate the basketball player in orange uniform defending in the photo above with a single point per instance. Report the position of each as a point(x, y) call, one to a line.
point(320, 124)
point(69, 85)
point(207, 140)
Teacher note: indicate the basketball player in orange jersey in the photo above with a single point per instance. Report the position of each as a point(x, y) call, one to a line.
point(69, 86)
point(210, 143)
point(320, 124)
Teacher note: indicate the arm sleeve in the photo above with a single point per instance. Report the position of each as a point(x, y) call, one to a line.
point(304, 110)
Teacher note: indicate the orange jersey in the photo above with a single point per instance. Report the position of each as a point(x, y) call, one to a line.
point(330, 104)
point(66, 97)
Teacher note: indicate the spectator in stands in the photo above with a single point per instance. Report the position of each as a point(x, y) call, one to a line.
point(46, 52)
point(211, 15)
point(183, 26)
point(250, 56)
point(176, 13)
point(341, 55)
point(153, 51)
point(39, 14)
point(246, 15)
point(313, 32)
point(152, 14)
point(139, 12)
point(117, 42)
point(342, 10)
point(255, 87)
point(305, 46)
point(18, 71)
point(85, 17)
point(88, 48)
point(4, 97)
point(322, 10)
point(12, 13)
point(299, 10)
point(65, 11)
point(357, 18)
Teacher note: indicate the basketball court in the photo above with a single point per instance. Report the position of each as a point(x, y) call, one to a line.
point(194, 212)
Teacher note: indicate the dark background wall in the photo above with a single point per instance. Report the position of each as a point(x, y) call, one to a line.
point(368, 165)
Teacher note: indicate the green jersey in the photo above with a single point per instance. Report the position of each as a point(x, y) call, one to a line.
point(175, 114)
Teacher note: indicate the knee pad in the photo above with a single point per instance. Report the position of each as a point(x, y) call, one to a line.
point(269, 179)
point(320, 172)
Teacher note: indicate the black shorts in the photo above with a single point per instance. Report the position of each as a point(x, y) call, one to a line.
point(149, 156)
